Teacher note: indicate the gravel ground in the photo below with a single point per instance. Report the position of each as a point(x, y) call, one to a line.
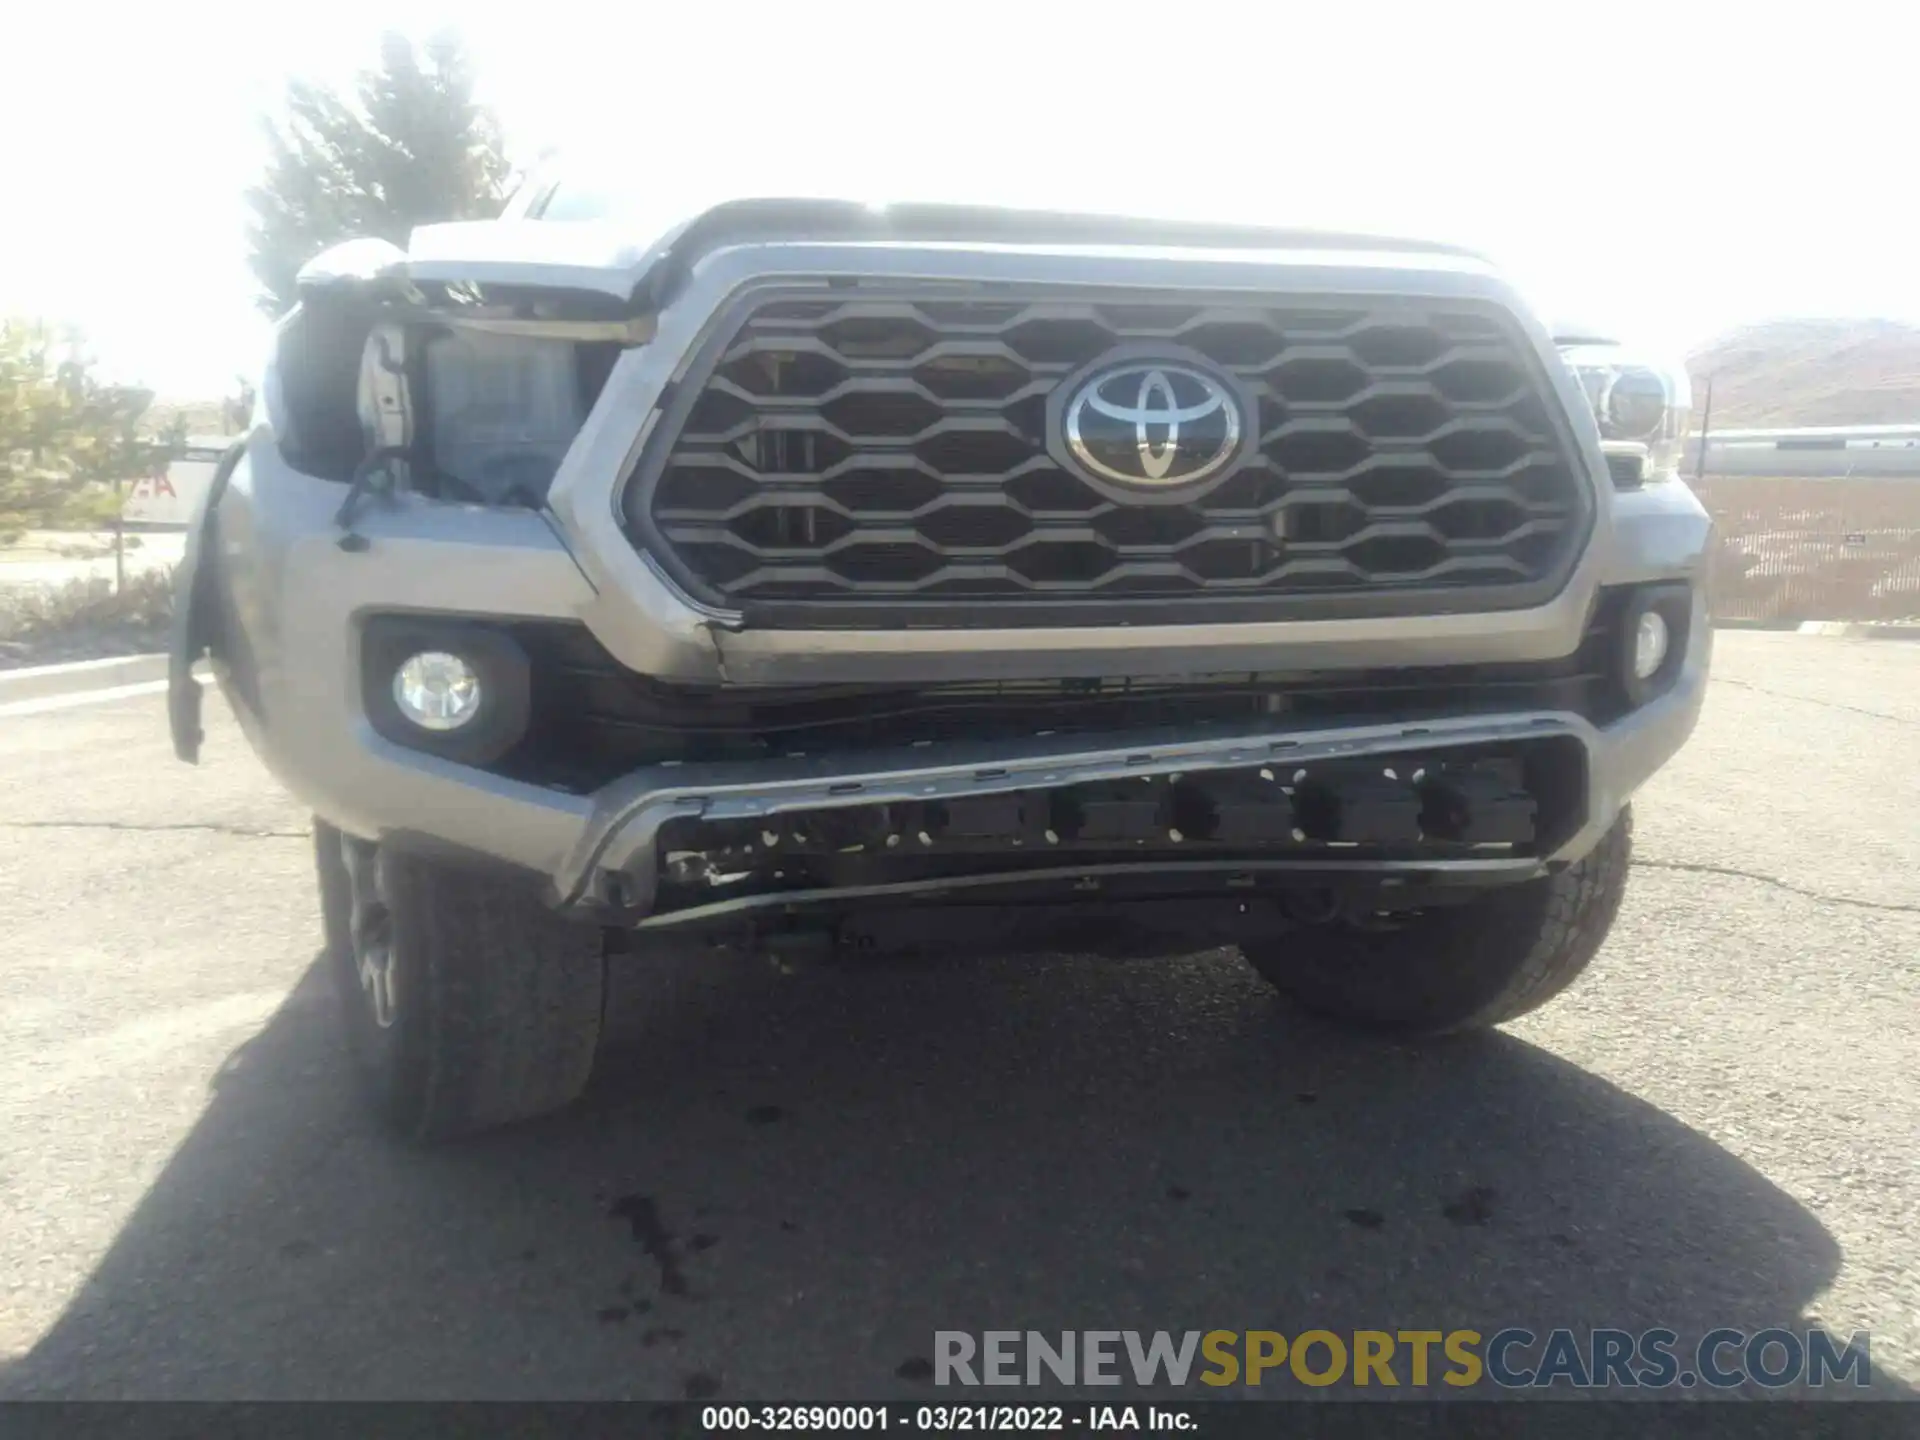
point(783, 1185)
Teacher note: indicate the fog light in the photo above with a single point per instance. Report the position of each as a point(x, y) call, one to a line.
point(436, 690)
point(1649, 644)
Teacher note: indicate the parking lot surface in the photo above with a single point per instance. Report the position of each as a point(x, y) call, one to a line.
point(783, 1185)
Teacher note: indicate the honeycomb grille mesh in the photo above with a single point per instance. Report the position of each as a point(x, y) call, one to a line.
point(894, 451)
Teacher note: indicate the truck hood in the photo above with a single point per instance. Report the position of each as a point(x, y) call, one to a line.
point(585, 255)
point(641, 262)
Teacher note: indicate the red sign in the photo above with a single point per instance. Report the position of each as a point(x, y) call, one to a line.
point(155, 486)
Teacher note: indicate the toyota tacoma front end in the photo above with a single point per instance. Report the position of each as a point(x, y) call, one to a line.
point(926, 576)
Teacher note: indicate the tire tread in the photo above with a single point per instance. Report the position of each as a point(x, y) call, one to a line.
point(517, 995)
point(501, 1014)
point(1479, 964)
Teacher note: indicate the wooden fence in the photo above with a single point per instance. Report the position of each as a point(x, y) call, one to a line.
point(1810, 549)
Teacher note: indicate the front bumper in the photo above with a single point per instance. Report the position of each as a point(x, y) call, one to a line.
point(282, 607)
point(289, 604)
point(614, 866)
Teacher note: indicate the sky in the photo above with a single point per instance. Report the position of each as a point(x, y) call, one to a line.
point(1667, 170)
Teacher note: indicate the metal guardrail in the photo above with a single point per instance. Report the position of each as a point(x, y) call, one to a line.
point(1892, 450)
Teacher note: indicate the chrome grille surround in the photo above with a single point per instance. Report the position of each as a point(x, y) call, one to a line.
point(885, 455)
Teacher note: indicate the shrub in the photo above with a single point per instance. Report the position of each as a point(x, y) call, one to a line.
point(85, 618)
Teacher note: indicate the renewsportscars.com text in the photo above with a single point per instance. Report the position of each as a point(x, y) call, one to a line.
point(1511, 1358)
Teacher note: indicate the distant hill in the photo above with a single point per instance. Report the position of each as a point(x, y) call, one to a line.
point(1811, 372)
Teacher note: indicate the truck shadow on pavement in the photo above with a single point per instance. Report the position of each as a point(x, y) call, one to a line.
point(783, 1185)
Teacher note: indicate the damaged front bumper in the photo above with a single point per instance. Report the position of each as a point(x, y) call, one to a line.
point(282, 608)
point(629, 840)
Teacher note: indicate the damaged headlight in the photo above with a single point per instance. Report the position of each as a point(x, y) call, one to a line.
point(501, 411)
point(1643, 408)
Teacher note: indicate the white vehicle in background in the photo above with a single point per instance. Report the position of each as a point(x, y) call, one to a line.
point(166, 500)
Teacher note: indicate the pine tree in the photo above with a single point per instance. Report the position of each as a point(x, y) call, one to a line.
point(410, 146)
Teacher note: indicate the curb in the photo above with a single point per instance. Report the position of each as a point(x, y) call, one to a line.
point(1845, 629)
point(41, 681)
point(1851, 630)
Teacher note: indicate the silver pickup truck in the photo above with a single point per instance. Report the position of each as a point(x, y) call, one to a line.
point(927, 577)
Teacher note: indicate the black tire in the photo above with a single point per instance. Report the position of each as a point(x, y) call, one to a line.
point(1457, 967)
point(496, 1001)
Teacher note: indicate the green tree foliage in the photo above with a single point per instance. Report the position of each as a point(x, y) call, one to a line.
point(410, 146)
point(66, 439)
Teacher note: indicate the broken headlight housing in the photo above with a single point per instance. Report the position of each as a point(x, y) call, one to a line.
point(1642, 407)
point(501, 411)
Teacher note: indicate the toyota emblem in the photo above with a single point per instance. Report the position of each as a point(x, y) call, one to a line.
point(1154, 423)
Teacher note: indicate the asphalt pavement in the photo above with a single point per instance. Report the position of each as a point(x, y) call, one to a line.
point(782, 1185)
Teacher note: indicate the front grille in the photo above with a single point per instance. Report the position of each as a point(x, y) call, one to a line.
point(885, 460)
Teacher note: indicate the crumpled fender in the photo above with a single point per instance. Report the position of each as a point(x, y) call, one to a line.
point(195, 628)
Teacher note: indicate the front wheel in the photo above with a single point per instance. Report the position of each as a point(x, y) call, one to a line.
point(468, 1003)
point(1461, 966)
